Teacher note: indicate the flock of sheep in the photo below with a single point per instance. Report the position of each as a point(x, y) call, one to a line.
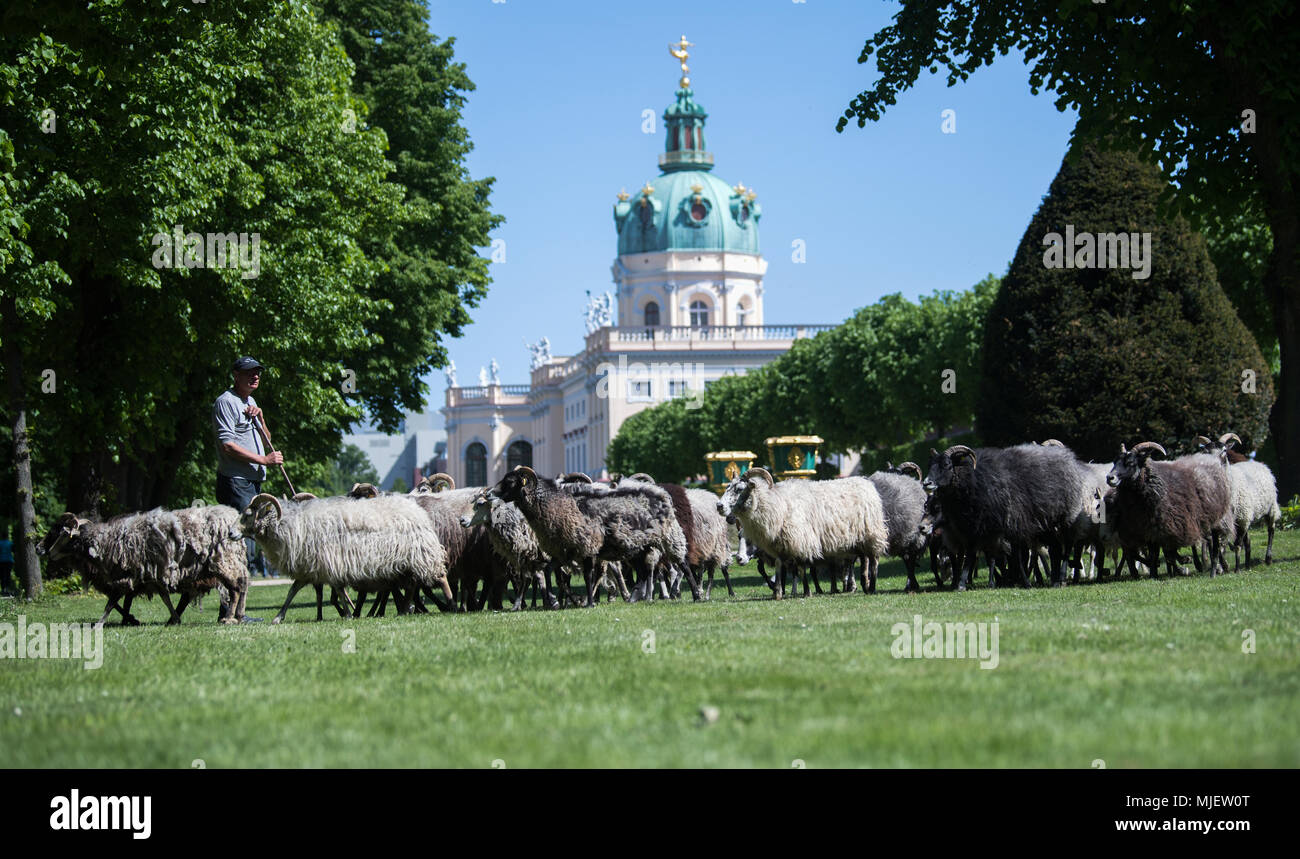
point(1028, 509)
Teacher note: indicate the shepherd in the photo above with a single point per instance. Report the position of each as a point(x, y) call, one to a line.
point(240, 428)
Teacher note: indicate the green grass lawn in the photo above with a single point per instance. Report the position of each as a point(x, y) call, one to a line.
point(1134, 673)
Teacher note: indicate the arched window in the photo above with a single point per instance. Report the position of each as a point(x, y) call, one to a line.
point(519, 453)
point(652, 313)
point(699, 314)
point(476, 465)
point(647, 215)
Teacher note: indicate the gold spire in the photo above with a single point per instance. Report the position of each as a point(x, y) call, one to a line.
point(622, 195)
point(648, 190)
point(678, 50)
point(749, 196)
point(739, 189)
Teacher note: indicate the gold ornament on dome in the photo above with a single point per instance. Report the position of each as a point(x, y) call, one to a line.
point(623, 195)
point(732, 471)
point(679, 51)
point(795, 457)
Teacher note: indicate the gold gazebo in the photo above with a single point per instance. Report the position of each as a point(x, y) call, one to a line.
point(793, 455)
point(725, 465)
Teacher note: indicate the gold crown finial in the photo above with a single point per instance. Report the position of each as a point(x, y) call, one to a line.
point(622, 195)
point(678, 50)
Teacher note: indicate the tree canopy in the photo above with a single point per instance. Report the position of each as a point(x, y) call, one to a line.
point(1149, 350)
point(326, 226)
point(878, 381)
point(1205, 91)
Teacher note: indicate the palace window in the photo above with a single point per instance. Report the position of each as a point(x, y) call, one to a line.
point(519, 453)
point(476, 465)
point(699, 314)
point(652, 314)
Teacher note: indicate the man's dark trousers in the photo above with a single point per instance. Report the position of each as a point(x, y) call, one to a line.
point(237, 492)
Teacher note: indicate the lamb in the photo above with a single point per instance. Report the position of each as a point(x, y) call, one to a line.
point(1006, 502)
point(1166, 505)
point(148, 554)
point(343, 543)
point(903, 499)
point(803, 522)
point(634, 524)
point(1252, 496)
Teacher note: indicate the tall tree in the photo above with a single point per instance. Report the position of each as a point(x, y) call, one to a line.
point(432, 273)
point(1096, 355)
point(1204, 90)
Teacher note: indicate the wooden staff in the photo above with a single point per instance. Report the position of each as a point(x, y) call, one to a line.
point(266, 438)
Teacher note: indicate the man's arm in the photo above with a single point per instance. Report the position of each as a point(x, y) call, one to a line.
point(234, 451)
point(226, 416)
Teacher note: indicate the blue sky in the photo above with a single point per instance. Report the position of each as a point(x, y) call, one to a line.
point(897, 206)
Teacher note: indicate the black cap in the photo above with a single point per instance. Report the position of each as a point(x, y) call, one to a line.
point(245, 363)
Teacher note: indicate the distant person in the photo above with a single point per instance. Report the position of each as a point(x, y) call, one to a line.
point(241, 455)
point(7, 564)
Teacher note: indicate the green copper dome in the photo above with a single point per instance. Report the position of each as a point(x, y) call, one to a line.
point(687, 207)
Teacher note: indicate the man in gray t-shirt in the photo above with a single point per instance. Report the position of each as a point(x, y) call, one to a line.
point(241, 456)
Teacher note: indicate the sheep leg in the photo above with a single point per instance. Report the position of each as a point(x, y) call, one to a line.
point(695, 581)
point(293, 592)
point(1268, 553)
point(380, 604)
point(320, 602)
point(875, 564)
point(352, 610)
point(182, 604)
point(109, 609)
point(1056, 552)
point(812, 570)
point(446, 587)
point(541, 580)
point(172, 618)
point(913, 586)
point(968, 565)
point(1214, 555)
point(361, 602)
point(588, 573)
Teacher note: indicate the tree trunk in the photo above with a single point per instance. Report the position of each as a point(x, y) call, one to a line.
point(25, 560)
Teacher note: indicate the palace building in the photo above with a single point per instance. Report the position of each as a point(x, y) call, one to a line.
point(687, 309)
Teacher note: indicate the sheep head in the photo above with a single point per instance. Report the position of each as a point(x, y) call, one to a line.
point(480, 511)
point(518, 486)
point(741, 488)
point(911, 468)
point(361, 490)
point(1130, 464)
point(56, 542)
point(947, 466)
point(258, 517)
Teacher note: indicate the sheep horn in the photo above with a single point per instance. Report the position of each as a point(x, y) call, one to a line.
point(910, 467)
point(364, 490)
point(1202, 441)
point(440, 481)
point(759, 471)
point(961, 450)
point(528, 475)
point(1229, 437)
point(577, 477)
point(1149, 445)
point(1051, 442)
point(303, 496)
point(262, 498)
point(643, 477)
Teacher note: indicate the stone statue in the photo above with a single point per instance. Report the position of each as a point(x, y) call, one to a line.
point(494, 371)
point(450, 373)
point(482, 377)
point(541, 352)
point(600, 311)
